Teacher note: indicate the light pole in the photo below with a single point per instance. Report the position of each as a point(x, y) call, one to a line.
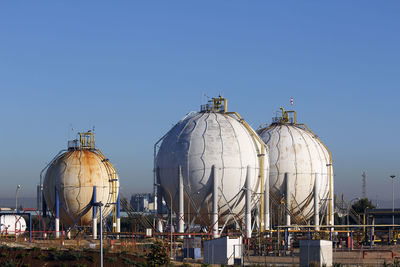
point(392, 176)
point(16, 197)
point(99, 205)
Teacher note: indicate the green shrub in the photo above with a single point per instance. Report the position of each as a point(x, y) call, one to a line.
point(112, 259)
point(23, 255)
point(10, 263)
point(128, 261)
point(158, 254)
point(41, 256)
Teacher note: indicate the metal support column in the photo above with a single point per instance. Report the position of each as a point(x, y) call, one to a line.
point(94, 210)
point(44, 206)
point(181, 218)
point(287, 198)
point(214, 219)
point(248, 203)
point(57, 210)
point(159, 202)
point(266, 202)
point(118, 215)
point(316, 201)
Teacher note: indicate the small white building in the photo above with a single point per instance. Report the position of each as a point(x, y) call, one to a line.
point(223, 250)
point(316, 251)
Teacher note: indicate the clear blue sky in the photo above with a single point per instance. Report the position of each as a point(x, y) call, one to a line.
point(133, 69)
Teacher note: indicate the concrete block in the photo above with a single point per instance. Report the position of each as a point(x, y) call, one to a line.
point(223, 250)
point(316, 251)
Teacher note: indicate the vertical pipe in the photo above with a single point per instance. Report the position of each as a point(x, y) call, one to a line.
point(57, 209)
point(248, 203)
point(159, 201)
point(181, 222)
point(316, 200)
point(94, 217)
point(118, 215)
point(266, 201)
point(287, 201)
point(214, 220)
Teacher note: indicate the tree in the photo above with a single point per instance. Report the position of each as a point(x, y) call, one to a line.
point(363, 204)
point(158, 254)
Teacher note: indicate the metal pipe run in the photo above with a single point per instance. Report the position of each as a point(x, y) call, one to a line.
point(181, 218)
point(316, 200)
point(214, 219)
point(248, 203)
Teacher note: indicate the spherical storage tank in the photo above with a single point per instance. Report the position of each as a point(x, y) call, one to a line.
point(295, 150)
point(200, 140)
point(74, 174)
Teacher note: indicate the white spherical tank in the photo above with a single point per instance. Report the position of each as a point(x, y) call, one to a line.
point(198, 142)
point(74, 174)
point(293, 149)
point(12, 224)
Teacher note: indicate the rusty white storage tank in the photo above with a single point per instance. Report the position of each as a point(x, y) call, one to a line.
point(294, 149)
point(187, 154)
point(74, 174)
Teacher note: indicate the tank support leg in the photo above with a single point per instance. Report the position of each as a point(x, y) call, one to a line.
point(287, 200)
point(44, 206)
point(94, 218)
point(248, 203)
point(118, 216)
point(266, 201)
point(316, 201)
point(214, 220)
point(159, 202)
point(181, 218)
point(57, 210)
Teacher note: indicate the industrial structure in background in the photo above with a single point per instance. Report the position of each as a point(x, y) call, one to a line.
point(211, 168)
point(300, 173)
point(364, 185)
point(142, 202)
point(75, 181)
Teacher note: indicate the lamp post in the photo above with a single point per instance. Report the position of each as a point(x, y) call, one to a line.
point(392, 176)
point(99, 205)
point(16, 197)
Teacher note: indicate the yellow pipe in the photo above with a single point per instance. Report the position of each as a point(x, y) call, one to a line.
point(261, 156)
